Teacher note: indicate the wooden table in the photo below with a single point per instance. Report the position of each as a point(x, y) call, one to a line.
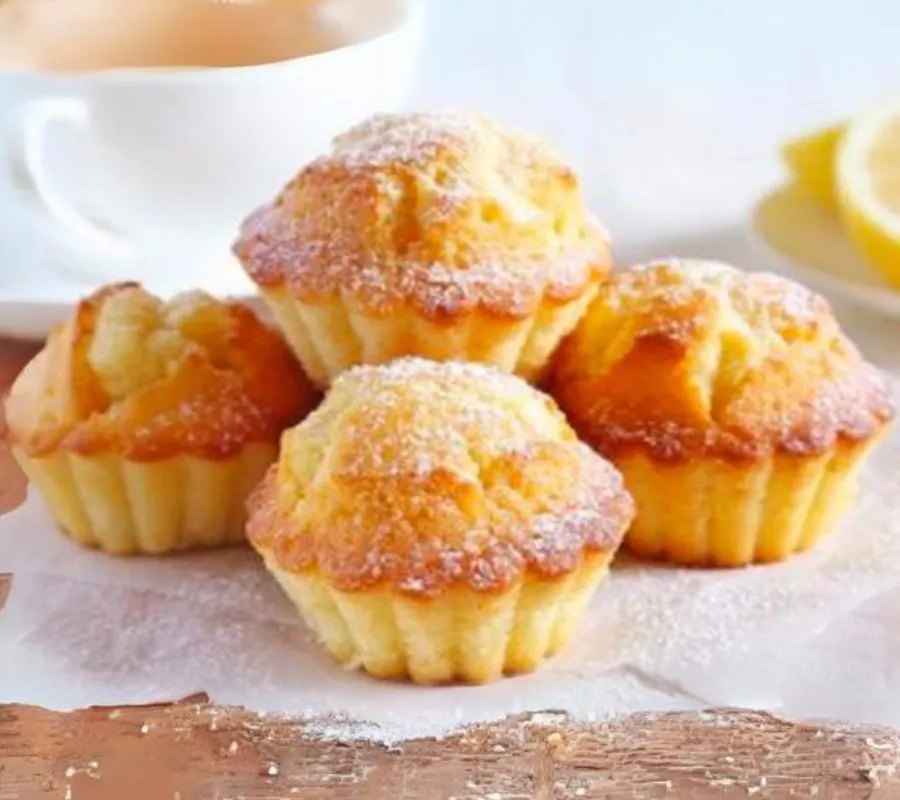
point(192, 749)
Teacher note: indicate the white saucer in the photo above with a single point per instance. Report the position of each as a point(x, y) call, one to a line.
point(810, 245)
point(41, 279)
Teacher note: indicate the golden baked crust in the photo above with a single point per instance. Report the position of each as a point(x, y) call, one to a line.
point(444, 213)
point(422, 476)
point(682, 358)
point(133, 375)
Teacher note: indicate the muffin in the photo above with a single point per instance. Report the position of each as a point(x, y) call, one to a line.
point(144, 425)
point(438, 521)
point(438, 235)
point(733, 404)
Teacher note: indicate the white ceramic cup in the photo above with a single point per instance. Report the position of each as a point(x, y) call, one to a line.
point(154, 169)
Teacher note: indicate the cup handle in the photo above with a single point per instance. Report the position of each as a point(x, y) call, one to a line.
point(38, 117)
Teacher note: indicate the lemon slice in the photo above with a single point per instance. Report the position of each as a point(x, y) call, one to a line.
point(811, 161)
point(868, 183)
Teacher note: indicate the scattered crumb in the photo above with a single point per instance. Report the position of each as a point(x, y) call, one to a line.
point(729, 760)
point(70, 771)
point(93, 764)
point(499, 748)
point(580, 791)
point(762, 780)
point(213, 725)
point(554, 740)
point(114, 714)
point(813, 790)
point(145, 729)
point(272, 770)
point(232, 748)
point(68, 792)
point(878, 745)
point(493, 796)
point(753, 789)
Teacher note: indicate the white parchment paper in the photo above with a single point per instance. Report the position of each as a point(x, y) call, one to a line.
point(818, 636)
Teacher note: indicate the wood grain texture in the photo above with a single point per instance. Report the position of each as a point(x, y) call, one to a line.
point(192, 750)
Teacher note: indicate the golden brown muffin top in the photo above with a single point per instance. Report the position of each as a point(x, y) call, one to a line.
point(445, 212)
point(149, 379)
point(421, 476)
point(680, 358)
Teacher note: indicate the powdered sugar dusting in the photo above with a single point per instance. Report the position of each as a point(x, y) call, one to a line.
point(460, 474)
point(387, 139)
point(762, 299)
point(455, 402)
point(443, 210)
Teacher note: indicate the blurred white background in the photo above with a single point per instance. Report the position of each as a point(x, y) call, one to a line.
point(672, 111)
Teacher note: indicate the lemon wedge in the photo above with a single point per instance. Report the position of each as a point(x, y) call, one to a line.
point(811, 161)
point(868, 187)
